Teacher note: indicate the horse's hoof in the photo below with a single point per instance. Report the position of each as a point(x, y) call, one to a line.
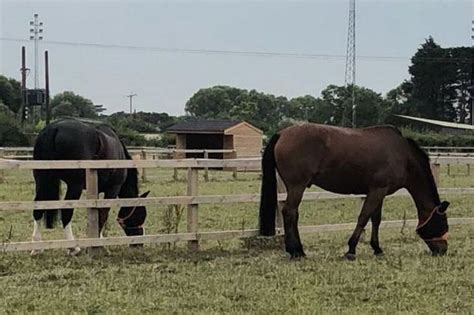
point(381, 254)
point(73, 251)
point(36, 252)
point(350, 257)
point(297, 254)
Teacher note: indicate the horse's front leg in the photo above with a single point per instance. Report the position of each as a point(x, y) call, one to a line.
point(110, 192)
point(376, 218)
point(373, 200)
point(290, 219)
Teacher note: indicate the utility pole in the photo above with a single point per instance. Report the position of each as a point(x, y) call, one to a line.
point(472, 75)
point(46, 81)
point(130, 96)
point(350, 73)
point(36, 31)
point(24, 71)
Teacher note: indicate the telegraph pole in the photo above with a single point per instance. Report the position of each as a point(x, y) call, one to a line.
point(24, 70)
point(130, 96)
point(46, 81)
point(472, 75)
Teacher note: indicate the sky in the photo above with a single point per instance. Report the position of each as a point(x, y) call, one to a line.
point(165, 51)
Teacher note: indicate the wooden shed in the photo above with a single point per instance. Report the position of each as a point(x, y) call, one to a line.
point(243, 139)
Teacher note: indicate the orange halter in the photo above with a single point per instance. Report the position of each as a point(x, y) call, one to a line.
point(443, 237)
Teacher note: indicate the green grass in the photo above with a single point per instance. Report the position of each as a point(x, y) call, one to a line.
point(240, 277)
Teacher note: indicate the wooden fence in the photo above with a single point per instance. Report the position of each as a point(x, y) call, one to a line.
point(192, 200)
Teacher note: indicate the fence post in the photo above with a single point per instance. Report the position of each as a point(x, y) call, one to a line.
point(92, 213)
point(2, 172)
point(435, 170)
point(206, 169)
point(143, 157)
point(192, 215)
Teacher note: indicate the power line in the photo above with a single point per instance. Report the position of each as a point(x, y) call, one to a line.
point(263, 54)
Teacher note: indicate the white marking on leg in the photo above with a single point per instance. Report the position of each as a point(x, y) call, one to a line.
point(36, 231)
point(36, 237)
point(68, 232)
point(70, 237)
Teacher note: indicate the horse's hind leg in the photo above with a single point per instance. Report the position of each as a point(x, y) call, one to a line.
point(376, 218)
point(74, 192)
point(290, 219)
point(37, 216)
point(47, 188)
point(371, 204)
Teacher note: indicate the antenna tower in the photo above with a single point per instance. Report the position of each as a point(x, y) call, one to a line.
point(350, 74)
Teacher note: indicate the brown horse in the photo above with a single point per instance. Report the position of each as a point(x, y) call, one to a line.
point(375, 161)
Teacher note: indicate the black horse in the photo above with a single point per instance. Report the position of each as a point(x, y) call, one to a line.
point(71, 139)
point(375, 161)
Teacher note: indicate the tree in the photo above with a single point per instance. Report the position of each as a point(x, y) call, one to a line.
point(431, 74)
point(336, 106)
point(10, 93)
point(215, 102)
point(10, 134)
point(462, 81)
point(70, 104)
point(224, 102)
point(440, 86)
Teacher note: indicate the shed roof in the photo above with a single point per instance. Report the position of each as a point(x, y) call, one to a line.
point(439, 123)
point(206, 126)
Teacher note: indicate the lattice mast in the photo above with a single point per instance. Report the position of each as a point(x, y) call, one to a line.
point(350, 73)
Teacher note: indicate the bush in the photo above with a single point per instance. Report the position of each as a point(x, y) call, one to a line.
point(435, 139)
point(10, 134)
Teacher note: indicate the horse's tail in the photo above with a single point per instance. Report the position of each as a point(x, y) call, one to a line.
point(268, 201)
point(47, 185)
point(51, 216)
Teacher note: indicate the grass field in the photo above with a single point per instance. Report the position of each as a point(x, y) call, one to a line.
point(238, 276)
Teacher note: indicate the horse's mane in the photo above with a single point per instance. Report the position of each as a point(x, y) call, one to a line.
point(424, 162)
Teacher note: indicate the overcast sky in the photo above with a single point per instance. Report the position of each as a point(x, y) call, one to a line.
point(165, 77)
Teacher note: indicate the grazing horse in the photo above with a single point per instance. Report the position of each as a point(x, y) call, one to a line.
point(375, 161)
point(72, 139)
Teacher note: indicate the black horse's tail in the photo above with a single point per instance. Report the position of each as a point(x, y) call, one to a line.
point(268, 201)
point(47, 185)
point(51, 216)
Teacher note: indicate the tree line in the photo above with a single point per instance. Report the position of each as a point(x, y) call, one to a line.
point(440, 87)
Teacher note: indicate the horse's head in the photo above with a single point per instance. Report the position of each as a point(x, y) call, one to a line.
point(131, 219)
point(434, 231)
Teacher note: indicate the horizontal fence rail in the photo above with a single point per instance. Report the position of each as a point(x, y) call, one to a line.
point(192, 200)
point(26, 152)
point(180, 163)
point(200, 236)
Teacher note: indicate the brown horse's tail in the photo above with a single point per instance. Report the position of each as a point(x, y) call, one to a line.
point(268, 201)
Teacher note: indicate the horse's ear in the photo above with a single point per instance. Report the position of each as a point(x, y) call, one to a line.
point(144, 194)
point(443, 207)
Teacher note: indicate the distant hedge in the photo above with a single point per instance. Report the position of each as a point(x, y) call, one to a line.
point(434, 139)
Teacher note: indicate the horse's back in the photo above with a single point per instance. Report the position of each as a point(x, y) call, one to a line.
point(71, 139)
point(342, 160)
